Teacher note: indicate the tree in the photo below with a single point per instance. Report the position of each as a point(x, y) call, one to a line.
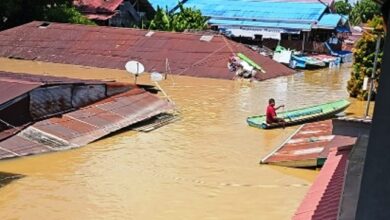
point(66, 14)
point(364, 11)
point(161, 21)
point(364, 54)
point(17, 12)
point(342, 7)
point(185, 19)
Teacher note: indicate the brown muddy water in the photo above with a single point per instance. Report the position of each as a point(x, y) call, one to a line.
point(204, 166)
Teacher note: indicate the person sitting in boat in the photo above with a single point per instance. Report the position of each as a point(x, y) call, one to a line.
point(271, 112)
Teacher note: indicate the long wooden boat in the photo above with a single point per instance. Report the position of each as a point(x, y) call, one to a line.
point(301, 115)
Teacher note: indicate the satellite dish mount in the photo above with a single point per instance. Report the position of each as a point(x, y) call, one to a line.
point(136, 68)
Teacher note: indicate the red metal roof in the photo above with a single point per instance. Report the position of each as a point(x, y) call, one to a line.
point(10, 89)
point(43, 79)
point(83, 126)
point(101, 17)
point(307, 145)
point(13, 85)
point(323, 198)
point(109, 47)
point(304, 146)
point(98, 5)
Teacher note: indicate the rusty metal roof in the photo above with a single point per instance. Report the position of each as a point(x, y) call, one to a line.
point(308, 146)
point(101, 17)
point(98, 5)
point(13, 85)
point(108, 47)
point(85, 125)
point(323, 198)
point(11, 89)
point(43, 79)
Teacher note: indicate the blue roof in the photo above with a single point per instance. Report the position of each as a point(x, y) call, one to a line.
point(254, 13)
point(329, 21)
point(243, 23)
point(170, 4)
point(247, 9)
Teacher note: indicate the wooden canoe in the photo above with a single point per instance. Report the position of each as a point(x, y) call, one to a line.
point(302, 115)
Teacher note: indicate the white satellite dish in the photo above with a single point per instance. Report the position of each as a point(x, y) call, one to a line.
point(156, 76)
point(134, 67)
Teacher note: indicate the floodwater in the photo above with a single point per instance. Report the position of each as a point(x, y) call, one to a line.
point(204, 166)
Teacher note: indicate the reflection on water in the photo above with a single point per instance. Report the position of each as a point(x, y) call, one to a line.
point(204, 166)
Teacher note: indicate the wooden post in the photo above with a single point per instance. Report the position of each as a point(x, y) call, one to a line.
point(303, 41)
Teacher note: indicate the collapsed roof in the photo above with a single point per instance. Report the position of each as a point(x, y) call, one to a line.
point(41, 114)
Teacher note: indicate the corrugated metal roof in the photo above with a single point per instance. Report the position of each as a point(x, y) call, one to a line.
point(43, 79)
point(327, 2)
point(304, 146)
point(329, 21)
point(323, 198)
point(83, 126)
point(247, 9)
point(259, 24)
point(164, 4)
point(11, 89)
point(308, 146)
point(293, 14)
point(259, 10)
point(101, 17)
point(108, 47)
point(98, 5)
point(22, 101)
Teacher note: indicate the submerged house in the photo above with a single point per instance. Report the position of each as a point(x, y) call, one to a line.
point(107, 47)
point(301, 25)
point(40, 114)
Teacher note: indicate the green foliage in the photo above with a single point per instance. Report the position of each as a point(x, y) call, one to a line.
point(161, 21)
point(17, 12)
point(66, 14)
point(185, 19)
point(364, 11)
point(364, 54)
point(342, 7)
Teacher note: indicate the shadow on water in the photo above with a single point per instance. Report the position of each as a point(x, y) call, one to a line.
point(7, 178)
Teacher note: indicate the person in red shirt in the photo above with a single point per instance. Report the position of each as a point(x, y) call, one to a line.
point(271, 112)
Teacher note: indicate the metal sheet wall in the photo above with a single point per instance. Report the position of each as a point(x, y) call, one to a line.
point(50, 101)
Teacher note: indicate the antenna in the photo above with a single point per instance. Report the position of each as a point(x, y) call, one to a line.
point(135, 68)
point(156, 77)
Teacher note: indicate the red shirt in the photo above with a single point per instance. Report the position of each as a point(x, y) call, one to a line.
point(271, 114)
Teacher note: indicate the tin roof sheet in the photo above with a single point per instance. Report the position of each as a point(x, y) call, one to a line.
point(105, 5)
point(260, 24)
point(323, 198)
point(307, 145)
point(83, 126)
point(101, 17)
point(249, 9)
point(327, 2)
point(164, 4)
point(329, 21)
point(262, 10)
point(10, 89)
point(304, 146)
point(108, 47)
point(43, 79)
